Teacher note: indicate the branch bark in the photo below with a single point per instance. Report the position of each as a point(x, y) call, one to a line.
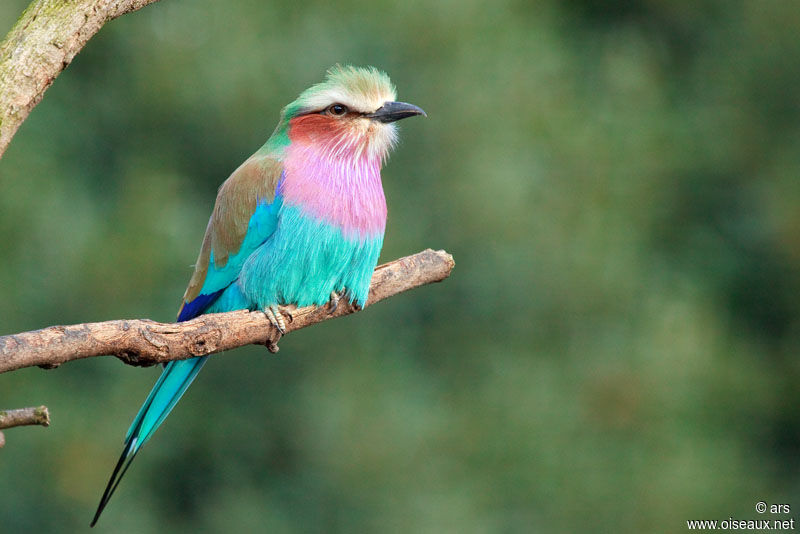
point(23, 416)
point(45, 39)
point(144, 342)
point(37, 415)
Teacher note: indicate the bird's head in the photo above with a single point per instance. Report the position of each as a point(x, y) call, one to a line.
point(350, 114)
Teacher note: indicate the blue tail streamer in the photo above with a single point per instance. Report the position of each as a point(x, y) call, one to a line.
point(171, 385)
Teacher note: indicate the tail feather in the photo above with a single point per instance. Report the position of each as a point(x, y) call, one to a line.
point(171, 385)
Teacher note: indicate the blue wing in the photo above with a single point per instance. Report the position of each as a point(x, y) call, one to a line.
point(245, 215)
point(217, 278)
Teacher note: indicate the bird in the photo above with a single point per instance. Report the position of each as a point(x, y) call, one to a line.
point(301, 222)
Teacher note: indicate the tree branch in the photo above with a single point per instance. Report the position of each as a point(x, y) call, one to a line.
point(45, 39)
point(21, 417)
point(25, 416)
point(144, 342)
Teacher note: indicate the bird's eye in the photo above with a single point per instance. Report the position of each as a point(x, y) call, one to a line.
point(337, 109)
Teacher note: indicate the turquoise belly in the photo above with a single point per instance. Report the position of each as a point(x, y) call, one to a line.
point(302, 262)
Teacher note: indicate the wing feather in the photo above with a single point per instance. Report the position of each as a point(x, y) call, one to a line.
point(245, 215)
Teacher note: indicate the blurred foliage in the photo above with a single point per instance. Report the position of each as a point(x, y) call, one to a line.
point(615, 351)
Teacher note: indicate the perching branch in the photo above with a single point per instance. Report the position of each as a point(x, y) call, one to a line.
point(45, 39)
point(144, 342)
point(21, 417)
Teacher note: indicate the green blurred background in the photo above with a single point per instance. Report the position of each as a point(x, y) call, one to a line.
point(616, 349)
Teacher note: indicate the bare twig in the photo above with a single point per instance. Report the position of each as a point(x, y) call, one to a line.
point(145, 342)
point(35, 415)
point(45, 39)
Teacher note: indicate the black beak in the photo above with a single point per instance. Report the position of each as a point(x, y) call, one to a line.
point(394, 111)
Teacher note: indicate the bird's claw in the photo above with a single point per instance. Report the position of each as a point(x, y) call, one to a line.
point(277, 316)
point(276, 319)
point(334, 302)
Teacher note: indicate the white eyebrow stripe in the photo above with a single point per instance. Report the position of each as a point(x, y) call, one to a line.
point(329, 97)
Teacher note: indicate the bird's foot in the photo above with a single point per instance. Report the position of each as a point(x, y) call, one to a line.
point(334, 302)
point(336, 298)
point(277, 316)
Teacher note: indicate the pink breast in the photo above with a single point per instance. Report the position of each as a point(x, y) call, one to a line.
point(336, 183)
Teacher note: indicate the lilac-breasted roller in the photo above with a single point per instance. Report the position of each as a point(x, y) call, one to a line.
point(298, 223)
